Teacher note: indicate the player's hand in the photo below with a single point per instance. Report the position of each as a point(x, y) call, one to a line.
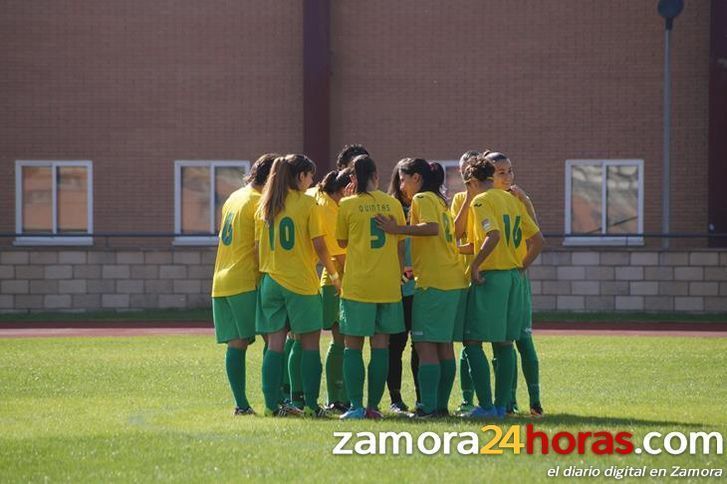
point(476, 276)
point(387, 224)
point(518, 192)
point(350, 189)
point(337, 285)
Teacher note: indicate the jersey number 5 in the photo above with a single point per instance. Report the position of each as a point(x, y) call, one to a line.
point(378, 236)
point(287, 234)
point(516, 233)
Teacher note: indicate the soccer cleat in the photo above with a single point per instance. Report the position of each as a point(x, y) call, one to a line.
point(399, 409)
point(479, 412)
point(354, 414)
point(318, 412)
point(536, 411)
point(244, 411)
point(501, 412)
point(283, 411)
point(374, 414)
point(338, 407)
point(420, 414)
point(512, 409)
point(464, 409)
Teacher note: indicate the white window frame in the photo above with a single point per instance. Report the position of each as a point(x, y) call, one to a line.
point(448, 164)
point(55, 239)
point(211, 164)
point(574, 240)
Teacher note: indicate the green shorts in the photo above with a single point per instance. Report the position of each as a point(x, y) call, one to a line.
point(234, 316)
point(277, 306)
point(331, 306)
point(366, 319)
point(437, 315)
point(527, 327)
point(495, 308)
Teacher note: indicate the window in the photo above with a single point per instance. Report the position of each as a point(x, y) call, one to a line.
point(53, 202)
point(201, 188)
point(452, 178)
point(604, 198)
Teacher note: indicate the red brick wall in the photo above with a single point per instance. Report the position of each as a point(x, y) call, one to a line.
point(541, 81)
point(135, 85)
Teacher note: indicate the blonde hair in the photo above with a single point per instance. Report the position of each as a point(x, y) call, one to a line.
point(283, 177)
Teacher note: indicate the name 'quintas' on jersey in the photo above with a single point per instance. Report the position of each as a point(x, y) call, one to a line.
point(372, 272)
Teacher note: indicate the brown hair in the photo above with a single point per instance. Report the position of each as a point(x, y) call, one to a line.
point(283, 177)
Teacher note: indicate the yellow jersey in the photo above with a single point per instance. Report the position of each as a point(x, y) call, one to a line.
point(372, 271)
point(498, 210)
point(435, 257)
point(236, 269)
point(329, 214)
point(286, 247)
point(457, 202)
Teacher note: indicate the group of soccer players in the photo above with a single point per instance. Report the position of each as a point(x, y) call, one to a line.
point(394, 264)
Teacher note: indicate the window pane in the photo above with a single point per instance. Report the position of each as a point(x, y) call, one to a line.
point(72, 191)
point(622, 209)
point(586, 199)
point(453, 180)
point(37, 199)
point(227, 180)
point(195, 200)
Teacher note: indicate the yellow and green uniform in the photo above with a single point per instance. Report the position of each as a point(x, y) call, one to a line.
point(371, 286)
point(328, 210)
point(457, 201)
point(236, 276)
point(494, 311)
point(439, 301)
point(289, 287)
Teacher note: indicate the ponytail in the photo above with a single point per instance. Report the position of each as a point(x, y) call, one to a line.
point(432, 174)
point(364, 168)
point(335, 180)
point(283, 177)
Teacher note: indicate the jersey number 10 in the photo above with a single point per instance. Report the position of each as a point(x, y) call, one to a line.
point(287, 234)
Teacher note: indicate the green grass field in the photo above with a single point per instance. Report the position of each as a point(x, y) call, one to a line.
point(158, 408)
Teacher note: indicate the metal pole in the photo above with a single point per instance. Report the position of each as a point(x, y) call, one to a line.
point(666, 184)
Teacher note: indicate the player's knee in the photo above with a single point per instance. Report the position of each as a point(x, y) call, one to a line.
point(239, 344)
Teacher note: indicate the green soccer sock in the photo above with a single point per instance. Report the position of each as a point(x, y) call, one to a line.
point(465, 380)
point(378, 371)
point(272, 371)
point(531, 368)
point(513, 394)
point(480, 373)
point(503, 375)
point(353, 376)
point(294, 373)
point(447, 371)
point(310, 365)
point(334, 373)
point(235, 364)
point(285, 387)
point(429, 376)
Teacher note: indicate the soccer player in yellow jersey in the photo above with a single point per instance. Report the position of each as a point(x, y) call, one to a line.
point(497, 225)
point(370, 293)
point(458, 200)
point(328, 193)
point(503, 179)
point(439, 301)
point(291, 239)
point(234, 284)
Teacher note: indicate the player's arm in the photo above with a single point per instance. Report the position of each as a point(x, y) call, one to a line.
point(466, 249)
point(401, 248)
point(488, 245)
point(389, 225)
point(460, 220)
point(525, 199)
point(535, 245)
point(319, 244)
